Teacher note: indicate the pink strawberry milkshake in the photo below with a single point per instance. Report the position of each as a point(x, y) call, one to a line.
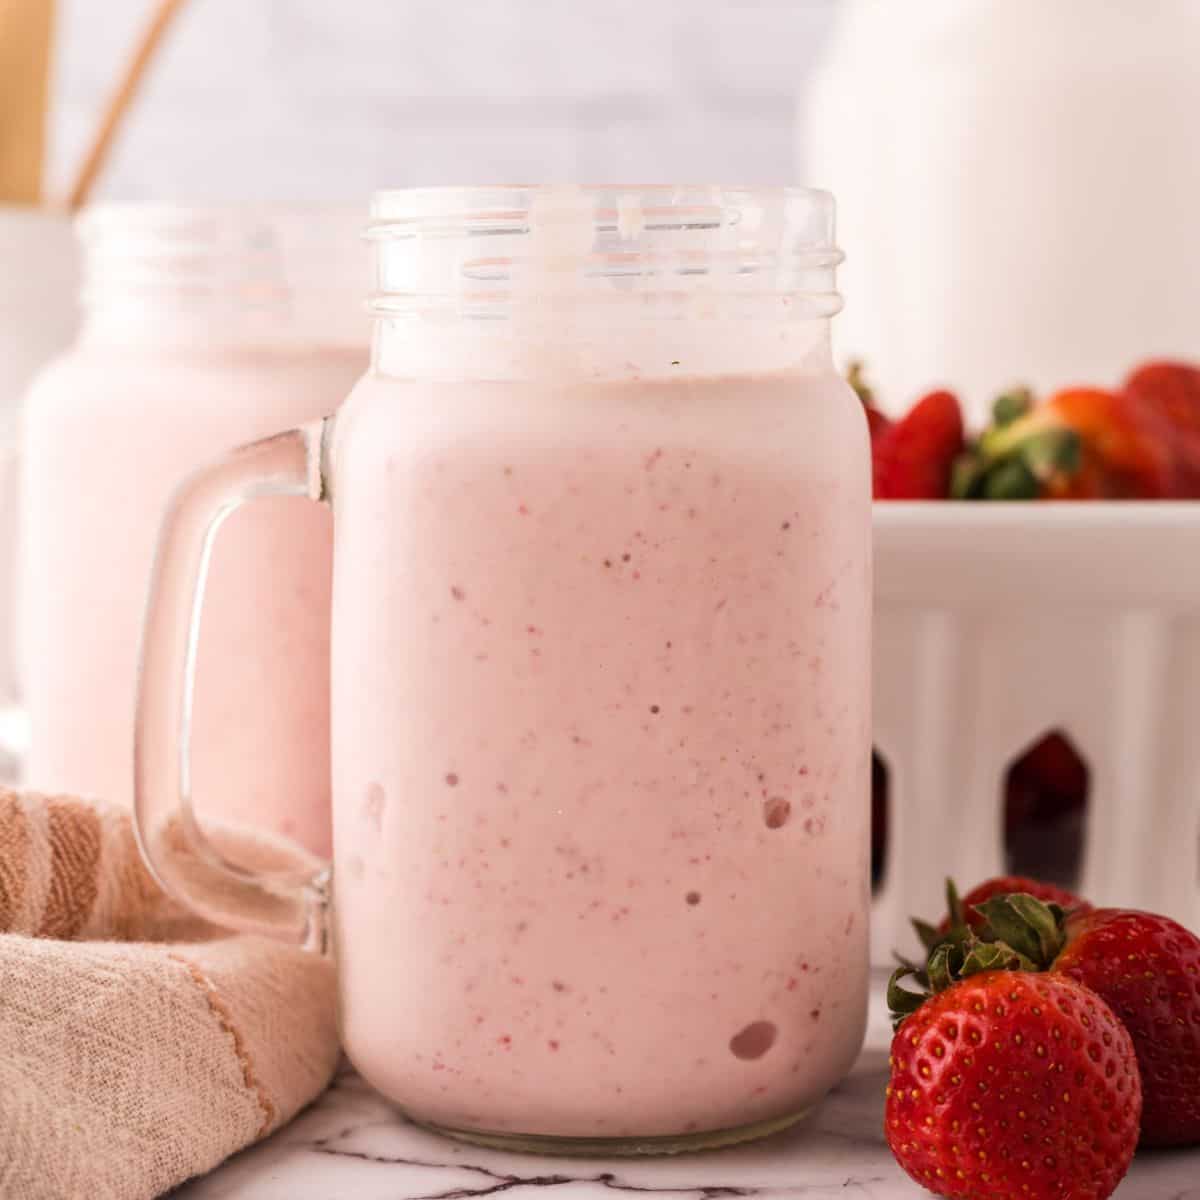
point(601, 731)
point(599, 688)
point(195, 339)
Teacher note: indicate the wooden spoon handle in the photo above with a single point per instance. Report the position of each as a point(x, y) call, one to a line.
point(120, 100)
point(26, 31)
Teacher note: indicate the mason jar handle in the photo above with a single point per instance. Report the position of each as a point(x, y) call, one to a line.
point(185, 861)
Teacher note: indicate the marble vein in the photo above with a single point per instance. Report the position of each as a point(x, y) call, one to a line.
point(352, 1145)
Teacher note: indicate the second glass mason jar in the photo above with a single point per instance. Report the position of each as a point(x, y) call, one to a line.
point(38, 320)
point(203, 329)
point(600, 695)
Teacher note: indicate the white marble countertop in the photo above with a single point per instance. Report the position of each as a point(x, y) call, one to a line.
point(351, 1145)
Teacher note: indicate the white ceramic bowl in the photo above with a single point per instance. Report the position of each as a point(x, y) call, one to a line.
point(997, 623)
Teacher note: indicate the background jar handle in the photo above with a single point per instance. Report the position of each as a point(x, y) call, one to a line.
point(183, 859)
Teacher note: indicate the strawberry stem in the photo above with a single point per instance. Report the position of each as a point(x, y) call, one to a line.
point(967, 475)
point(901, 1002)
point(954, 906)
point(1011, 406)
point(856, 377)
point(1020, 933)
point(1031, 927)
point(1012, 480)
point(926, 933)
point(1015, 458)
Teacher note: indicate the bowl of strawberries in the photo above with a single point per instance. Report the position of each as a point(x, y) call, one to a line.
point(1037, 643)
point(1138, 441)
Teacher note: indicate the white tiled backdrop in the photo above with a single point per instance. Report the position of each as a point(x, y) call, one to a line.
point(327, 99)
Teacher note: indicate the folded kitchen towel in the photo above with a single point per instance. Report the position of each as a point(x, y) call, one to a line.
point(138, 1046)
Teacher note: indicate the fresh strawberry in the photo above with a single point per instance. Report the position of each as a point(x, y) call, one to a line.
point(1147, 968)
point(1052, 768)
point(1045, 802)
point(965, 910)
point(1010, 1084)
point(879, 818)
point(1082, 443)
point(914, 459)
point(1172, 390)
point(877, 421)
point(1127, 445)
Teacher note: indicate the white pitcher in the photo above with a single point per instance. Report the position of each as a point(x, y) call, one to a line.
point(1019, 181)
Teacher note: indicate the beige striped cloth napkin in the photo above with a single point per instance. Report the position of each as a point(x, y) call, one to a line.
point(138, 1046)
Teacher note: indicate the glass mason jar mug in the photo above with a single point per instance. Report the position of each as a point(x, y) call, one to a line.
point(600, 694)
point(203, 329)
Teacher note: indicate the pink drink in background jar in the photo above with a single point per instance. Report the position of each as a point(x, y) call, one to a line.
point(202, 330)
point(39, 318)
point(600, 687)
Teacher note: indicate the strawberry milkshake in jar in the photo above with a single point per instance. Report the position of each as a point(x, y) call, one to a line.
point(600, 681)
point(203, 328)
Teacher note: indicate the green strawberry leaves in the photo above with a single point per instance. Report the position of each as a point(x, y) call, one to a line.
point(1031, 927)
point(1017, 455)
point(901, 1002)
point(1011, 406)
point(928, 934)
point(1020, 933)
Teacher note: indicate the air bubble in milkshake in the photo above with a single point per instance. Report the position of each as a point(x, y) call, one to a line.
point(776, 812)
point(373, 805)
point(753, 1041)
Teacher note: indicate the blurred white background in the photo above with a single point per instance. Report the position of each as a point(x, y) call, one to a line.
point(313, 99)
